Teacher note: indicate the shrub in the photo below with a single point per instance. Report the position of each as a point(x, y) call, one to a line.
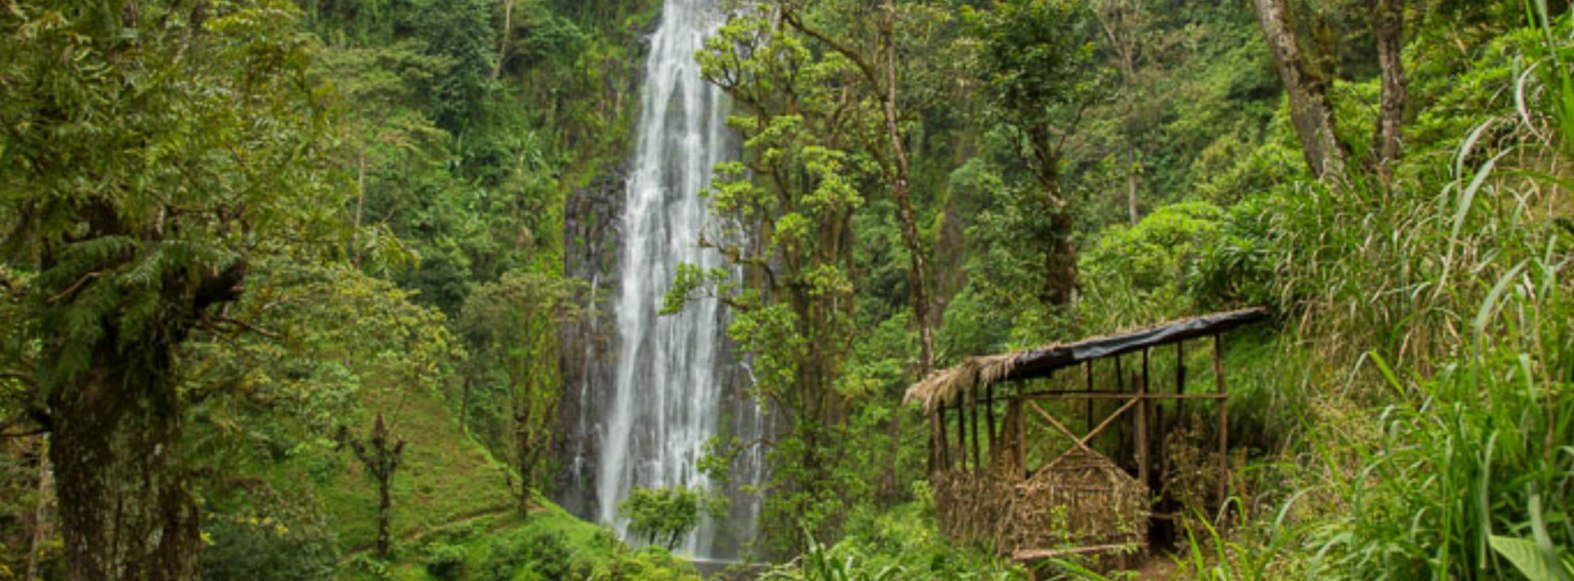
point(661, 515)
point(504, 556)
point(445, 562)
point(550, 555)
point(263, 549)
point(543, 554)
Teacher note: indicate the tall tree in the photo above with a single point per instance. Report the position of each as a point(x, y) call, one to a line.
point(512, 326)
point(870, 42)
point(1306, 86)
point(785, 213)
point(1037, 58)
point(152, 151)
point(873, 54)
point(381, 453)
point(1308, 76)
point(1122, 23)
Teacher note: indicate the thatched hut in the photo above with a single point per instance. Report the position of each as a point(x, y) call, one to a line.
point(1076, 499)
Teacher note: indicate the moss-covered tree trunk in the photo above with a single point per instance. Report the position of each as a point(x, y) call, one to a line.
point(125, 508)
point(1388, 25)
point(1306, 87)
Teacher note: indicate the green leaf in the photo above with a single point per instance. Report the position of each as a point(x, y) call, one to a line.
point(1529, 559)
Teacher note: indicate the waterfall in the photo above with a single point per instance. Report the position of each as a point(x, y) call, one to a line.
point(673, 376)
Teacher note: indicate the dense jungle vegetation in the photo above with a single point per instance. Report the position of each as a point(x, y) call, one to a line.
point(282, 282)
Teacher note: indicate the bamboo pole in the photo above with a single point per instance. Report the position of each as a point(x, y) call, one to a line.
point(1117, 395)
point(1089, 366)
point(973, 410)
point(1174, 417)
point(1224, 420)
point(1021, 434)
point(989, 415)
point(962, 433)
point(1142, 423)
point(943, 443)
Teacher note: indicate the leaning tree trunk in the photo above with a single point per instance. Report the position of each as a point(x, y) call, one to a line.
point(918, 272)
point(1307, 89)
point(125, 508)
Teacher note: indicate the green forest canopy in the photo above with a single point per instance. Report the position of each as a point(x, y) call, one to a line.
point(231, 230)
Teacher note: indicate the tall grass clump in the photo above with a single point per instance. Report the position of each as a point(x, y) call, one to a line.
point(1441, 311)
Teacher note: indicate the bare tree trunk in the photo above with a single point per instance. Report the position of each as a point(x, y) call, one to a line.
point(384, 517)
point(1388, 24)
point(1120, 20)
point(1131, 183)
point(381, 455)
point(502, 42)
point(1307, 89)
point(918, 271)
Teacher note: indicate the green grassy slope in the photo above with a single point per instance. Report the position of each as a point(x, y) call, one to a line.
point(452, 505)
point(445, 477)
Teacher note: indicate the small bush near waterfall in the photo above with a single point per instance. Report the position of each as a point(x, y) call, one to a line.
point(661, 516)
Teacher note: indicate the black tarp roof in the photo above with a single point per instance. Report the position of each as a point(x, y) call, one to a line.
point(1038, 362)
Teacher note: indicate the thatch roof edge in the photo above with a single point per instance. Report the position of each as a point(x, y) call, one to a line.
point(978, 372)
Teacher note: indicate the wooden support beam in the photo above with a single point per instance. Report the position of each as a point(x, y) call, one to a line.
point(1021, 435)
point(936, 440)
point(1037, 554)
point(1173, 417)
point(1224, 420)
point(1089, 366)
point(1083, 441)
point(972, 409)
point(1142, 424)
point(943, 445)
point(989, 415)
point(1075, 441)
point(961, 432)
point(1072, 395)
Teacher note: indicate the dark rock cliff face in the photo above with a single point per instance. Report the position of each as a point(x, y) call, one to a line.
point(592, 222)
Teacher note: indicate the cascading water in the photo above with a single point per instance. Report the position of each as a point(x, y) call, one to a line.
point(671, 382)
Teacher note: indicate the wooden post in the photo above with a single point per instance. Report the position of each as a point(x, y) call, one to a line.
point(1224, 421)
point(1174, 417)
point(961, 431)
point(934, 448)
point(1120, 386)
point(989, 415)
point(1142, 423)
point(972, 405)
point(1089, 365)
point(1021, 422)
point(943, 443)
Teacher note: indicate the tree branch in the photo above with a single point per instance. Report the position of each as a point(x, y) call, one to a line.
point(795, 21)
point(75, 286)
